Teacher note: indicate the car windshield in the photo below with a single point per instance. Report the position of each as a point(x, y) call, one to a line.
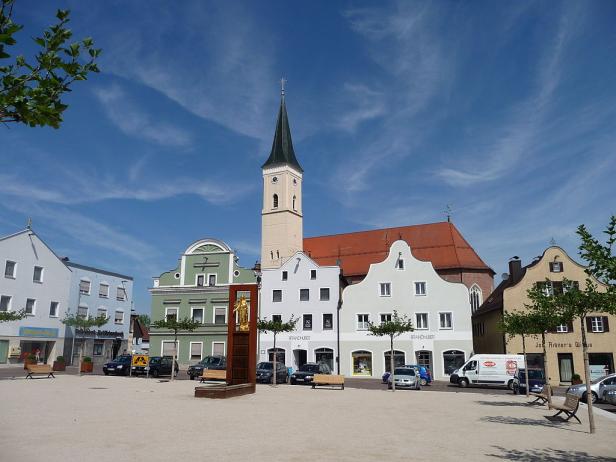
point(123, 359)
point(309, 368)
point(155, 360)
point(210, 361)
point(267, 366)
point(404, 371)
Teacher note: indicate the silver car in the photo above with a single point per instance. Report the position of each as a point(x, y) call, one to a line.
point(598, 388)
point(405, 377)
point(610, 397)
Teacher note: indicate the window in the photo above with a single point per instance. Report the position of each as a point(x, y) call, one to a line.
point(220, 315)
point(421, 320)
point(307, 322)
point(119, 317)
point(362, 363)
point(9, 269)
point(452, 360)
point(400, 264)
point(196, 349)
point(328, 321)
point(200, 280)
point(277, 317)
point(168, 348)
point(399, 359)
point(285, 275)
point(5, 303)
point(362, 321)
point(82, 311)
point(385, 289)
point(420, 288)
point(101, 312)
point(304, 295)
point(385, 317)
point(275, 201)
point(294, 202)
point(97, 349)
point(276, 295)
point(597, 324)
point(445, 320)
point(121, 294)
point(218, 348)
point(324, 294)
point(556, 267)
point(211, 280)
point(197, 315)
point(562, 328)
point(30, 306)
point(84, 287)
point(103, 290)
point(313, 274)
point(38, 274)
point(171, 313)
point(476, 298)
point(53, 310)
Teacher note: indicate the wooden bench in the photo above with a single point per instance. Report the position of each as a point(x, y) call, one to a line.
point(214, 375)
point(543, 397)
point(328, 379)
point(569, 407)
point(39, 369)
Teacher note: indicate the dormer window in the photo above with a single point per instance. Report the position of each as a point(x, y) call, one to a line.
point(275, 201)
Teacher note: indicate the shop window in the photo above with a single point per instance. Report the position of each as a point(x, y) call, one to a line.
point(362, 363)
point(220, 315)
point(276, 295)
point(452, 360)
point(197, 315)
point(362, 321)
point(385, 289)
point(324, 294)
point(196, 349)
point(280, 355)
point(307, 322)
point(399, 359)
point(97, 349)
point(325, 356)
point(9, 269)
point(38, 274)
point(328, 321)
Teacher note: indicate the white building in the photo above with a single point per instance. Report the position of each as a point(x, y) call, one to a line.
point(310, 292)
point(440, 312)
point(34, 279)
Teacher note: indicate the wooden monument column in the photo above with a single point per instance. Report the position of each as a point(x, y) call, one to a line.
point(242, 335)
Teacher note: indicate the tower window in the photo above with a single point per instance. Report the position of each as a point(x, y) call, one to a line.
point(275, 201)
point(293, 202)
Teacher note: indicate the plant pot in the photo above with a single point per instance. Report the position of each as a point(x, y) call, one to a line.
point(576, 381)
point(87, 367)
point(59, 366)
point(28, 362)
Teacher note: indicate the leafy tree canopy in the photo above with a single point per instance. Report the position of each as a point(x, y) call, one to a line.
point(398, 325)
point(144, 319)
point(185, 324)
point(83, 322)
point(275, 326)
point(7, 316)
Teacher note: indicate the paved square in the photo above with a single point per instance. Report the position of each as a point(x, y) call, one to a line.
point(122, 419)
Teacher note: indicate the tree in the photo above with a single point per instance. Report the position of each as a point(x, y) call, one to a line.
point(31, 91)
point(7, 316)
point(84, 323)
point(144, 319)
point(172, 323)
point(276, 327)
point(393, 328)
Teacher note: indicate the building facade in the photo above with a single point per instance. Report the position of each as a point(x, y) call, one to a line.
point(563, 346)
point(36, 280)
point(311, 293)
point(97, 292)
point(440, 311)
point(197, 288)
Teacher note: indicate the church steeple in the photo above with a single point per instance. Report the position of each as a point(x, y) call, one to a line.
point(282, 147)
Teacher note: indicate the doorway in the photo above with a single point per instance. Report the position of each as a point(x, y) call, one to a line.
point(424, 358)
point(4, 351)
point(325, 355)
point(565, 366)
point(300, 357)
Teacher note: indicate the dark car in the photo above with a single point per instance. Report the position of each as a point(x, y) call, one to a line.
point(161, 365)
point(264, 372)
point(209, 362)
point(119, 366)
point(305, 374)
point(536, 381)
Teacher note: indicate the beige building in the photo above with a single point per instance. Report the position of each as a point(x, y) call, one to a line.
point(564, 345)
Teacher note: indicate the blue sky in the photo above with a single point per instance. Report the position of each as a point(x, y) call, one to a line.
point(506, 111)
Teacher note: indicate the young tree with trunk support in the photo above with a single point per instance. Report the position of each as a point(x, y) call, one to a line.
point(84, 323)
point(8, 316)
point(392, 329)
point(276, 327)
point(181, 325)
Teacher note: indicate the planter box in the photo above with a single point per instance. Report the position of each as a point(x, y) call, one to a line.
point(87, 367)
point(59, 366)
point(28, 362)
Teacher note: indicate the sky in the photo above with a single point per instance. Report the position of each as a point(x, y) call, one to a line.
point(506, 112)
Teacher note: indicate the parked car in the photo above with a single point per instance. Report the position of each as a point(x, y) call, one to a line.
point(265, 375)
point(218, 362)
point(119, 366)
point(536, 381)
point(405, 377)
point(488, 370)
point(425, 377)
point(610, 397)
point(161, 365)
point(306, 373)
point(598, 388)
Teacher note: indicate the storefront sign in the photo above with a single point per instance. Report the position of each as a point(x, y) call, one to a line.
point(99, 333)
point(140, 360)
point(422, 336)
point(299, 337)
point(39, 332)
point(563, 345)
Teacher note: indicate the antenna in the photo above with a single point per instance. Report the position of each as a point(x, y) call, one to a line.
point(29, 223)
point(552, 242)
point(282, 82)
point(448, 211)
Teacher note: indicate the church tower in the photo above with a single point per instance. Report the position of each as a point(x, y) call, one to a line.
point(281, 217)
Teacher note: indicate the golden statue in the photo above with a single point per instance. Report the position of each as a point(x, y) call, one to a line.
point(241, 307)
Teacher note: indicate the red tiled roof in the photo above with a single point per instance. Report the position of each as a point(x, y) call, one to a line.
point(440, 243)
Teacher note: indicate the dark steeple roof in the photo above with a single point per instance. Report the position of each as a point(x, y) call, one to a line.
point(282, 148)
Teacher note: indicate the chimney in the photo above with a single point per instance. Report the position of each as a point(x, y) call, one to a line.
point(515, 269)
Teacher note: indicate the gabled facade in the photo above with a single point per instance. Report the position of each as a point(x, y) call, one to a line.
point(310, 292)
point(439, 309)
point(35, 279)
point(563, 346)
point(197, 288)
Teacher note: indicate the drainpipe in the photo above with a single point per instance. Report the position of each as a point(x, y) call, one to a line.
point(338, 336)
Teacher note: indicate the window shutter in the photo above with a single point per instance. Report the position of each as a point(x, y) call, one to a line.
point(606, 325)
point(588, 325)
point(570, 326)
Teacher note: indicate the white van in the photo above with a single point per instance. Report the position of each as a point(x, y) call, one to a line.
point(490, 370)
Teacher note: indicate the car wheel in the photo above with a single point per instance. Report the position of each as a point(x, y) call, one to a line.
point(192, 377)
point(594, 398)
point(510, 384)
point(106, 373)
point(155, 373)
point(423, 382)
point(463, 383)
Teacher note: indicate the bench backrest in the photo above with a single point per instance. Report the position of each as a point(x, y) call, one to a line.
point(39, 368)
point(328, 378)
point(219, 374)
point(571, 401)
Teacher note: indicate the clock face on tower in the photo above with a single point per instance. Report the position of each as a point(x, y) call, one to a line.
point(275, 179)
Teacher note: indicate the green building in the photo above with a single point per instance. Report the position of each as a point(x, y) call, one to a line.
point(197, 288)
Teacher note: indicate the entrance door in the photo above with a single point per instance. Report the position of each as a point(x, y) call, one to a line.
point(4, 351)
point(424, 358)
point(325, 355)
point(565, 366)
point(301, 357)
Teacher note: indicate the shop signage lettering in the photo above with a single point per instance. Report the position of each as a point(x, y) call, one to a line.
point(299, 337)
point(563, 345)
point(40, 332)
point(422, 336)
point(99, 333)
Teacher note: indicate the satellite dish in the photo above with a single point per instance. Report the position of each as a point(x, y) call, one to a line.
point(505, 276)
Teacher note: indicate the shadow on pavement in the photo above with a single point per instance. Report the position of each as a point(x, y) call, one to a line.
point(548, 455)
point(503, 403)
point(508, 420)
